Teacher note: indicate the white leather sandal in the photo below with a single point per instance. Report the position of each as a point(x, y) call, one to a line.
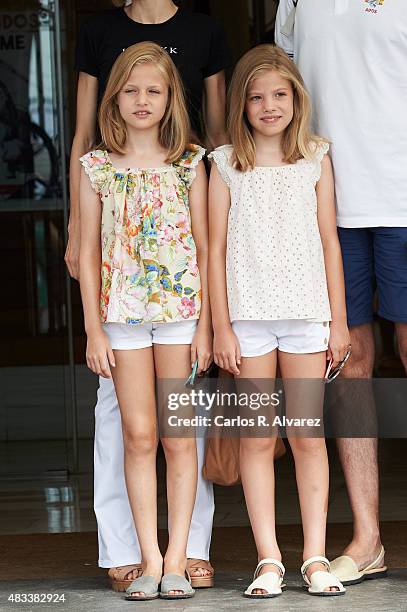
point(320, 580)
point(270, 582)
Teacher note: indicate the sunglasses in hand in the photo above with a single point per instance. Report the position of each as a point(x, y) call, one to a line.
point(190, 381)
point(193, 378)
point(333, 372)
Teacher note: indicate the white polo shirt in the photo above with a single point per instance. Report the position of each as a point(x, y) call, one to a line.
point(353, 57)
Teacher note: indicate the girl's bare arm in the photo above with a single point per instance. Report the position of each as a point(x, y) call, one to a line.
point(339, 337)
point(226, 346)
point(201, 347)
point(98, 352)
point(198, 199)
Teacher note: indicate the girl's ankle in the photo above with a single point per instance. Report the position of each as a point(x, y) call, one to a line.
point(305, 557)
point(175, 561)
point(152, 560)
point(277, 556)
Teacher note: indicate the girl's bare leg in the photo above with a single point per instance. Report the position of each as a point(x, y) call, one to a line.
point(174, 361)
point(310, 456)
point(257, 471)
point(134, 381)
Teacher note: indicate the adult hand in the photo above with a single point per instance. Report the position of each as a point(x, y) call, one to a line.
point(226, 350)
point(73, 249)
point(99, 354)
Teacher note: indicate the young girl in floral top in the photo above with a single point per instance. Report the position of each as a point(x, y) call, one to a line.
point(273, 227)
point(143, 276)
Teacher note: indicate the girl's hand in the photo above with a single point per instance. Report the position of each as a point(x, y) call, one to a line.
point(339, 342)
point(99, 354)
point(201, 348)
point(226, 350)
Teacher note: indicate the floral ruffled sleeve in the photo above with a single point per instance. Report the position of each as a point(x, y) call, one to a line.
point(99, 170)
point(187, 163)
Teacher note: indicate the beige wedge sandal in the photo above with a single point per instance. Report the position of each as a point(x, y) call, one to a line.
point(201, 582)
point(118, 576)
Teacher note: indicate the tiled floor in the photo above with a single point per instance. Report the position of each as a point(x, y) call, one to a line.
point(59, 505)
point(56, 505)
point(91, 595)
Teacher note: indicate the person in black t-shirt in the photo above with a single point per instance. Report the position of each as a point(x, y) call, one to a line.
point(197, 45)
point(195, 42)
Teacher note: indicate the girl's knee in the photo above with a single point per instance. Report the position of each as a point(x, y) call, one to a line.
point(178, 445)
point(307, 445)
point(140, 441)
point(257, 445)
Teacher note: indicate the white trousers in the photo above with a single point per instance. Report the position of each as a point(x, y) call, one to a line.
point(118, 543)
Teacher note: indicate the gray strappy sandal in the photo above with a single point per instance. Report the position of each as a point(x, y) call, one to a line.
point(174, 582)
point(145, 584)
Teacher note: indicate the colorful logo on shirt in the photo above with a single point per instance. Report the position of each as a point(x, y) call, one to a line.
point(373, 4)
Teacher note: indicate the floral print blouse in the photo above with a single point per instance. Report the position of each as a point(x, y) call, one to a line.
point(149, 271)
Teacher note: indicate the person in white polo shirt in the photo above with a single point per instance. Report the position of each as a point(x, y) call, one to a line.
point(353, 57)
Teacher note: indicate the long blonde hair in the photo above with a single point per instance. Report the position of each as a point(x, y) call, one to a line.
point(174, 133)
point(298, 141)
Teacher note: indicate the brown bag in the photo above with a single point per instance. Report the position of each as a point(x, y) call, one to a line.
point(222, 460)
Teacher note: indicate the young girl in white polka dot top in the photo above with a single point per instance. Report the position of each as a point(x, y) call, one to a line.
point(276, 281)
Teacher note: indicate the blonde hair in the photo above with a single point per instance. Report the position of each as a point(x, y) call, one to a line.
point(298, 141)
point(174, 133)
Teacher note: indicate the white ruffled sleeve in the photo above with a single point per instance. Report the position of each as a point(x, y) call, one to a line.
point(321, 149)
point(221, 157)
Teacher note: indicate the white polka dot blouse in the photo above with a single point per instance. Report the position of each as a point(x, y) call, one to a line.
point(274, 263)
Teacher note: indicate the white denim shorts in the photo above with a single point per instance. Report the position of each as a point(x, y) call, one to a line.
point(128, 337)
point(258, 338)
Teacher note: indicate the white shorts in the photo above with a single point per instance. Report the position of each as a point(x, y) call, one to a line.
point(128, 337)
point(289, 335)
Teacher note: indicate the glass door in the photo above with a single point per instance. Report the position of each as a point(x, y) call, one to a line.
point(37, 388)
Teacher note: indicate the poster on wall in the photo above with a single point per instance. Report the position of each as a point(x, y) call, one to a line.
point(26, 109)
